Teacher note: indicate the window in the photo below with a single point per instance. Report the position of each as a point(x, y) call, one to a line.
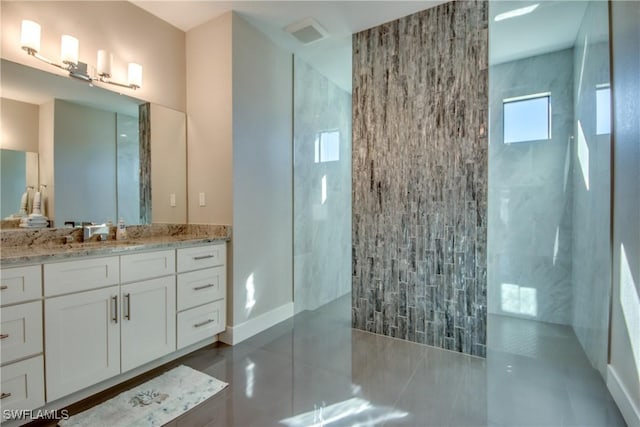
point(603, 110)
point(527, 118)
point(327, 146)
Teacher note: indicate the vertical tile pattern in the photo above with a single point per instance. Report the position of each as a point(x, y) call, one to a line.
point(145, 162)
point(420, 177)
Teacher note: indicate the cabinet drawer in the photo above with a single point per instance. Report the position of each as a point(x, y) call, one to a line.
point(200, 287)
point(21, 330)
point(201, 257)
point(20, 284)
point(22, 385)
point(147, 265)
point(83, 275)
point(200, 323)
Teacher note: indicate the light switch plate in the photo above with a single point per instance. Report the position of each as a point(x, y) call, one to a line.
point(202, 200)
point(172, 200)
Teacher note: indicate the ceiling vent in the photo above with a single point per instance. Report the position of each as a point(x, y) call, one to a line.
point(307, 31)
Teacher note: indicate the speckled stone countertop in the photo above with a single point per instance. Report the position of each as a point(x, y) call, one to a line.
point(24, 247)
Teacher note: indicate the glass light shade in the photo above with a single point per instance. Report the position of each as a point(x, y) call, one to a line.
point(135, 75)
point(104, 63)
point(30, 36)
point(69, 50)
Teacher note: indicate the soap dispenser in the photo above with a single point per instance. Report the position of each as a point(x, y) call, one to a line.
point(121, 231)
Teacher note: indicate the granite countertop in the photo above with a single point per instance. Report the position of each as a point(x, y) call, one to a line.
point(46, 245)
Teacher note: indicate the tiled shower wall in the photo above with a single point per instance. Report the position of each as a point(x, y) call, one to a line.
point(420, 177)
point(321, 190)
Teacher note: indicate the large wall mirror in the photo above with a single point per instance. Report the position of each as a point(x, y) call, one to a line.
point(92, 149)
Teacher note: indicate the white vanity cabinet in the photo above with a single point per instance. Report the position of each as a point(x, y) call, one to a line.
point(201, 293)
point(100, 317)
point(82, 340)
point(22, 367)
point(82, 330)
point(148, 307)
point(148, 321)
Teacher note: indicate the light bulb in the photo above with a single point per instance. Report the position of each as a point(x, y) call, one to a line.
point(30, 36)
point(69, 50)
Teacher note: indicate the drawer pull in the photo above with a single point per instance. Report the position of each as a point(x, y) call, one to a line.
point(128, 313)
point(3, 395)
point(198, 258)
point(115, 310)
point(3, 287)
point(4, 336)
point(206, 322)
point(199, 288)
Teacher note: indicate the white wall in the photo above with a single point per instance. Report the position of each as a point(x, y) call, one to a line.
point(168, 165)
point(130, 33)
point(262, 174)
point(624, 357)
point(209, 123)
point(19, 125)
point(84, 163)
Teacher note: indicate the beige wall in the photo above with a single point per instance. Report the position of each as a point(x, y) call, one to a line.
point(168, 165)
point(129, 32)
point(19, 125)
point(209, 126)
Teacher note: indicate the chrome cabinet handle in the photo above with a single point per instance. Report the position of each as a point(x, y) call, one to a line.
point(114, 299)
point(199, 288)
point(3, 336)
point(3, 287)
point(206, 322)
point(198, 258)
point(128, 314)
point(3, 395)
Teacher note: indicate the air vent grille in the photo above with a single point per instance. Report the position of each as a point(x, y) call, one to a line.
point(307, 31)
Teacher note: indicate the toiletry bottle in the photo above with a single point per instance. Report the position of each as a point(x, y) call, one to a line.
point(121, 232)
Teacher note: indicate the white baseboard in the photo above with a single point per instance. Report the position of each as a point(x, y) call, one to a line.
point(629, 409)
point(238, 333)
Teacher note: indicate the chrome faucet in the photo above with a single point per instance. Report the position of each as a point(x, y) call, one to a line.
point(91, 231)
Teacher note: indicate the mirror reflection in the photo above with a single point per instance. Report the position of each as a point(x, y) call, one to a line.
point(86, 142)
point(18, 181)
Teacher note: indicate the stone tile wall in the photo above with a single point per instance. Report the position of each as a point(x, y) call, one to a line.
point(420, 177)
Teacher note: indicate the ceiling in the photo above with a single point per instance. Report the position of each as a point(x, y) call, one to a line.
point(552, 26)
point(330, 56)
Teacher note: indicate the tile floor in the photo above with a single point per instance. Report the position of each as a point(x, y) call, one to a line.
point(315, 370)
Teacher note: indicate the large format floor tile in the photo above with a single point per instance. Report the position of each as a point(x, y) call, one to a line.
point(315, 369)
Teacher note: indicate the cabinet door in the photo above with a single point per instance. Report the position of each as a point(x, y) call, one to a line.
point(148, 321)
point(82, 340)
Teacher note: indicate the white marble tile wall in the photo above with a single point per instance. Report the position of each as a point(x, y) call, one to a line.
point(322, 190)
point(530, 192)
point(591, 272)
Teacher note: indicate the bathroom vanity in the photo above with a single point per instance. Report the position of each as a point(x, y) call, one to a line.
point(79, 318)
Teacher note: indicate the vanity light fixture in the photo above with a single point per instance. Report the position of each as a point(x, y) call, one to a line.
point(30, 42)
